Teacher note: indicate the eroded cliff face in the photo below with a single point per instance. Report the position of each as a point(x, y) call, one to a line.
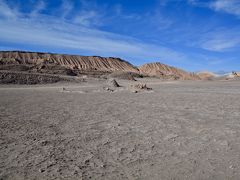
point(84, 63)
point(65, 64)
point(161, 70)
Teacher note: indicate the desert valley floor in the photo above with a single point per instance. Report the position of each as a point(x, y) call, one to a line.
point(179, 130)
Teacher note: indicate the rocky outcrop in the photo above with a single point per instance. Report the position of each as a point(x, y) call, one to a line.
point(83, 63)
point(167, 72)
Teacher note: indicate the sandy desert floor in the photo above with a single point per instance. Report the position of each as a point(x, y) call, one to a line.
point(180, 130)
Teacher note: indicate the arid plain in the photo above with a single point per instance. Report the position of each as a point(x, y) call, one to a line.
point(120, 90)
point(177, 130)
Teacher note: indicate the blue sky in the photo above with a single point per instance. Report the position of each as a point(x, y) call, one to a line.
point(195, 35)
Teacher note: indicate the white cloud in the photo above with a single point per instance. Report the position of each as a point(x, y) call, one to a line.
point(88, 18)
point(220, 44)
point(38, 8)
point(6, 11)
point(220, 40)
point(159, 21)
point(66, 7)
point(228, 6)
point(49, 31)
point(74, 37)
point(198, 3)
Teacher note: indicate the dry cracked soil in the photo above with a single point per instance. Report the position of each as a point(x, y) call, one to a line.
point(180, 130)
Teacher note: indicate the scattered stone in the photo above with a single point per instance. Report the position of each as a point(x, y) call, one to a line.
point(41, 170)
point(225, 143)
point(75, 172)
point(171, 137)
point(113, 83)
point(44, 143)
point(103, 165)
point(108, 89)
point(142, 86)
point(136, 87)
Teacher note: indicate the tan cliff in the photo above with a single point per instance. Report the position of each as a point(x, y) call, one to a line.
point(50, 63)
point(161, 70)
point(84, 63)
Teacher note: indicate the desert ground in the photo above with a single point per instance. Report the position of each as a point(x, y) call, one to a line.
point(177, 130)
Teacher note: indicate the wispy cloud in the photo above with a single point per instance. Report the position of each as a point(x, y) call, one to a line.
point(199, 3)
point(92, 14)
point(47, 31)
point(228, 6)
point(92, 41)
point(118, 12)
point(218, 38)
point(38, 8)
point(87, 28)
point(221, 40)
point(88, 18)
point(66, 7)
point(159, 21)
point(220, 45)
point(6, 11)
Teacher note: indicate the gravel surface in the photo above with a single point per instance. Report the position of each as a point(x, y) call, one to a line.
point(179, 130)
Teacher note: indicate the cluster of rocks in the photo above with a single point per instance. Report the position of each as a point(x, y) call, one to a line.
point(141, 87)
point(112, 84)
point(135, 88)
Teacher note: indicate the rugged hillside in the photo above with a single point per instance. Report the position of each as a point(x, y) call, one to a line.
point(48, 63)
point(164, 71)
point(232, 75)
point(83, 63)
point(236, 74)
point(207, 75)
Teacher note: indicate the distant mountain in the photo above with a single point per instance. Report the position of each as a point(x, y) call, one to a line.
point(232, 75)
point(164, 71)
point(48, 63)
point(205, 75)
point(83, 63)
